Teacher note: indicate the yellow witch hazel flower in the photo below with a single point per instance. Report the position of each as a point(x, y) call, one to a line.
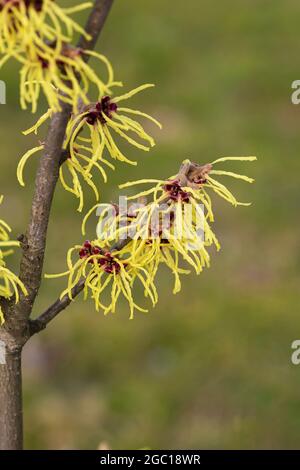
point(32, 23)
point(90, 141)
point(194, 179)
point(102, 120)
point(108, 274)
point(65, 77)
point(9, 282)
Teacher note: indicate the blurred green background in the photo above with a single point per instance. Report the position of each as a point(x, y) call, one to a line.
point(210, 367)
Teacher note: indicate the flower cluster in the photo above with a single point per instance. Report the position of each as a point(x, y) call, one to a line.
point(173, 229)
point(9, 282)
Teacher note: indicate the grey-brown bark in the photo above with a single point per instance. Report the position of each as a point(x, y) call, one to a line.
point(11, 419)
point(18, 326)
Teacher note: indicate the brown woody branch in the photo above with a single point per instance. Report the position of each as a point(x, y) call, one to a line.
point(34, 241)
point(40, 323)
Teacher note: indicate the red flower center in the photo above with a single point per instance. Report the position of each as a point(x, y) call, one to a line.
point(36, 4)
point(106, 107)
point(175, 192)
point(88, 250)
point(109, 264)
point(107, 261)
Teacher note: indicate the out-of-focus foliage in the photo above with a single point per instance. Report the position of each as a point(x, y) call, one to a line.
point(209, 367)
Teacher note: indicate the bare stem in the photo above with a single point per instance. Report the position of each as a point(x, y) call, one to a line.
point(58, 306)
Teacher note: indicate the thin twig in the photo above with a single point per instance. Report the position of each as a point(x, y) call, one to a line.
point(40, 323)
